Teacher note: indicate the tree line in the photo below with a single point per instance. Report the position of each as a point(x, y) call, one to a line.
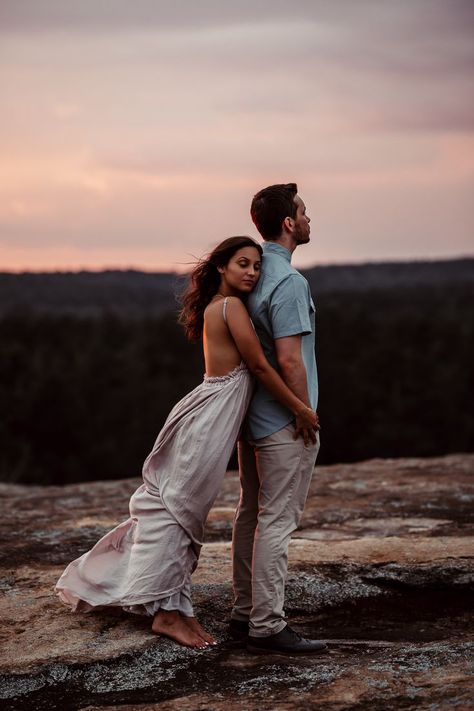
point(83, 397)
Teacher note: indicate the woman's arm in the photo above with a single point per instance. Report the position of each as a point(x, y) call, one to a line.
point(246, 340)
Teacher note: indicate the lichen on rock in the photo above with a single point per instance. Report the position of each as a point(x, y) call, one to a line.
point(382, 568)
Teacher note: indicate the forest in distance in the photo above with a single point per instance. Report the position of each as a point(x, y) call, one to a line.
point(85, 390)
point(135, 293)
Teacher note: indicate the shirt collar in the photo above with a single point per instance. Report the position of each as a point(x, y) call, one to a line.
point(275, 248)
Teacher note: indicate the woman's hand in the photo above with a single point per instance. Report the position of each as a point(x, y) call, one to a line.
point(306, 424)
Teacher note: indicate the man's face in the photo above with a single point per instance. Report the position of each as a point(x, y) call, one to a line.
point(302, 220)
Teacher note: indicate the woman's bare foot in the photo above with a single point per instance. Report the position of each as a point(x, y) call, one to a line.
point(194, 625)
point(171, 624)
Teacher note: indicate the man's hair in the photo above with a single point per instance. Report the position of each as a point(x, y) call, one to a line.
point(270, 206)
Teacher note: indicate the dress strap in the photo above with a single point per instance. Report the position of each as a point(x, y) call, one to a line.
point(224, 309)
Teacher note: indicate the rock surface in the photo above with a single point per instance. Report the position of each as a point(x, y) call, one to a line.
point(382, 568)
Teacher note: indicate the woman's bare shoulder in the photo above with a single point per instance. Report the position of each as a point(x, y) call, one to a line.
point(214, 310)
point(235, 300)
point(237, 310)
point(217, 305)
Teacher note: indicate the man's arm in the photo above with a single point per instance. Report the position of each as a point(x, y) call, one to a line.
point(246, 340)
point(293, 372)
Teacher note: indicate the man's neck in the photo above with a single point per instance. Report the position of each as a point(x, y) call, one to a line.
point(286, 241)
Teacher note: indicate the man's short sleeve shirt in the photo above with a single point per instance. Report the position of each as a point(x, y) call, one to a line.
point(280, 306)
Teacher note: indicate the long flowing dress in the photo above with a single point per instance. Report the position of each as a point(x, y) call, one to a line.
point(145, 563)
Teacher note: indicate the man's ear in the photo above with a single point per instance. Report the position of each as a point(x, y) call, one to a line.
point(288, 224)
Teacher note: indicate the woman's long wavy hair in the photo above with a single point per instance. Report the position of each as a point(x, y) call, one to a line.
point(204, 282)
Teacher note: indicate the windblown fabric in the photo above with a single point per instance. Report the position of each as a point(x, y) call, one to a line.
point(146, 562)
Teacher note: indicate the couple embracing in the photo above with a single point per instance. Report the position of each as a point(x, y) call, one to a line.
point(255, 314)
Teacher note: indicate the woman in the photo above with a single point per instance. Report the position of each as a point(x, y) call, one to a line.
point(144, 565)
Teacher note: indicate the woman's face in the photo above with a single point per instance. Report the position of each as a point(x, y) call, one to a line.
point(241, 272)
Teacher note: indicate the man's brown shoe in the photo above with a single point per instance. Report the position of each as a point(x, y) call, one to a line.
point(285, 642)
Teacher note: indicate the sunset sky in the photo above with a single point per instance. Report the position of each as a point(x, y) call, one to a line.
point(133, 134)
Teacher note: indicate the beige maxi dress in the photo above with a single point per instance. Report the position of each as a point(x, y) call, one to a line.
point(145, 563)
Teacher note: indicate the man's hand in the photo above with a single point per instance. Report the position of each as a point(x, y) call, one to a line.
point(306, 425)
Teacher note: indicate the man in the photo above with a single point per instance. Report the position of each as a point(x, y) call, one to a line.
point(276, 460)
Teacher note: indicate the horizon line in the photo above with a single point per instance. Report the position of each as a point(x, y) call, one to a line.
point(375, 262)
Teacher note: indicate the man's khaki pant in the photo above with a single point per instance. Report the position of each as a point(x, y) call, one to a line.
point(275, 474)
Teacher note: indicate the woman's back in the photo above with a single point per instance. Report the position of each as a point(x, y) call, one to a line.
point(220, 352)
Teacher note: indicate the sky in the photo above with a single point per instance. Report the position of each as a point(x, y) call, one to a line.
point(134, 134)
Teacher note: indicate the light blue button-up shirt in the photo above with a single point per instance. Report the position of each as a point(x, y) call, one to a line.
point(280, 306)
